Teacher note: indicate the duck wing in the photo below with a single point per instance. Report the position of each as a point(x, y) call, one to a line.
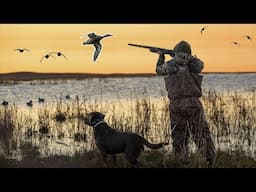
point(98, 48)
point(42, 58)
point(107, 35)
point(64, 56)
point(52, 52)
point(51, 56)
point(27, 50)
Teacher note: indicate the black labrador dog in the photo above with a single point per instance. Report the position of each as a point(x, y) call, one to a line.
point(110, 141)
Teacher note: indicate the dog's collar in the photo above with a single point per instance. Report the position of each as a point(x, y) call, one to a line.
point(96, 124)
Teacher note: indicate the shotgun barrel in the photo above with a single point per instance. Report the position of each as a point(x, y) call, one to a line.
point(155, 49)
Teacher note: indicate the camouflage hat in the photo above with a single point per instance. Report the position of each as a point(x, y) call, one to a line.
point(183, 47)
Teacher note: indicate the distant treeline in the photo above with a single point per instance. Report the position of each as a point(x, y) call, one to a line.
point(27, 76)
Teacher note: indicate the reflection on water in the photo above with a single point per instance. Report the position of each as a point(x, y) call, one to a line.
point(130, 104)
point(114, 88)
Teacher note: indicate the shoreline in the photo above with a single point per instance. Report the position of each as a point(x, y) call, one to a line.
point(28, 76)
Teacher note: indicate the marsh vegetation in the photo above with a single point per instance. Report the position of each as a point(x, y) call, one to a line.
point(54, 135)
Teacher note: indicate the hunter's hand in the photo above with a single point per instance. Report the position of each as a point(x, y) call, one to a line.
point(155, 50)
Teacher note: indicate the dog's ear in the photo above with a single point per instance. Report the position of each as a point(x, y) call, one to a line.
point(99, 116)
point(102, 115)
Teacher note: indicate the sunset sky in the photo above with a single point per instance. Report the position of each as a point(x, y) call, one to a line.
point(214, 47)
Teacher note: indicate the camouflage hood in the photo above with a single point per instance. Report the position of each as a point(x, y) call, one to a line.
point(182, 53)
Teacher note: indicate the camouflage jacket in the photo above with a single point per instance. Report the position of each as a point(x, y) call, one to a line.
point(182, 81)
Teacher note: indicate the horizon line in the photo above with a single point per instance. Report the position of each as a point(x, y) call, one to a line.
point(16, 72)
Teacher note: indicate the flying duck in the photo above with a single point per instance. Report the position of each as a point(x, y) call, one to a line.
point(95, 40)
point(46, 57)
point(21, 50)
point(202, 30)
point(58, 54)
point(248, 37)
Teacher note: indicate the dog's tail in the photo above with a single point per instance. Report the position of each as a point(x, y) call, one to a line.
point(152, 145)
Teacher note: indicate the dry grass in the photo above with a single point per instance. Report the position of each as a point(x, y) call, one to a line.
point(231, 117)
